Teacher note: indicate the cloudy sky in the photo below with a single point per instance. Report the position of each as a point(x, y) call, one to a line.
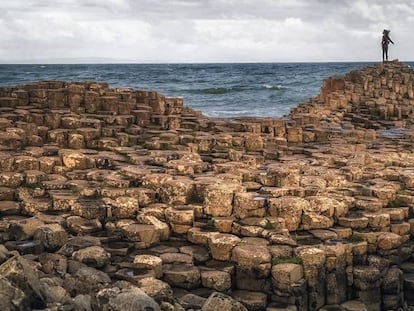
point(202, 30)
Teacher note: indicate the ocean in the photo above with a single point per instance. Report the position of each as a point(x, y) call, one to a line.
point(218, 90)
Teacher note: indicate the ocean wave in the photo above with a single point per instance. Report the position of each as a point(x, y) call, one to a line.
point(236, 89)
point(217, 90)
point(274, 87)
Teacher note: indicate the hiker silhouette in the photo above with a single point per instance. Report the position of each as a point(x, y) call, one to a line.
point(384, 43)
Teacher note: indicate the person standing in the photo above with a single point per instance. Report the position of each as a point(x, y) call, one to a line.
point(385, 42)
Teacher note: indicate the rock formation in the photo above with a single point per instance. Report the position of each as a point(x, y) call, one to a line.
point(117, 199)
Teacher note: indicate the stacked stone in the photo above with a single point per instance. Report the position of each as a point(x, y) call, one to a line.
point(289, 286)
point(308, 212)
point(84, 115)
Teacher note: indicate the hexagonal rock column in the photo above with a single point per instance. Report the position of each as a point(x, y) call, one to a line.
point(149, 262)
point(143, 235)
point(177, 191)
point(80, 225)
point(75, 160)
point(216, 279)
point(184, 276)
point(288, 208)
point(218, 301)
point(121, 207)
point(367, 282)
point(94, 256)
point(218, 198)
point(254, 301)
point(249, 204)
point(222, 244)
point(180, 218)
point(162, 228)
point(52, 236)
point(319, 214)
point(336, 273)
point(392, 289)
point(280, 175)
point(314, 269)
point(288, 284)
point(252, 266)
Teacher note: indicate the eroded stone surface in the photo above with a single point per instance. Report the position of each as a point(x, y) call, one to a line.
point(302, 213)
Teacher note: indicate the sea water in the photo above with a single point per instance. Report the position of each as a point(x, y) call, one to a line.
point(218, 90)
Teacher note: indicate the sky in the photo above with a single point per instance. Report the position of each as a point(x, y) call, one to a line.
point(199, 31)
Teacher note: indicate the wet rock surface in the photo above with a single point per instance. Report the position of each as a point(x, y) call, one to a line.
point(118, 199)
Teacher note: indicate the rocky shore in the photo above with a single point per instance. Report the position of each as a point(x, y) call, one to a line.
point(118, 199)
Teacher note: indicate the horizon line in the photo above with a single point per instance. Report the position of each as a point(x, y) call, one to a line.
point(198, 63)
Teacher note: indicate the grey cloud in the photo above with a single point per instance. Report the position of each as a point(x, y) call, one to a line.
point(193, 30)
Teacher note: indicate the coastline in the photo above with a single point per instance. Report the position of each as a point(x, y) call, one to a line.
point(114, 197)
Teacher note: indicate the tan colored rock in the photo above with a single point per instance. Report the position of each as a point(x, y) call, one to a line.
point(223, 224)
point(156, 210)
point(180, 218)
point(62, 201)
point(75, 160)
point(324, 235)
point(121, 207)
point(182, 275)
point(401, 229)
point(388, 240)
point(11, 295)
point(249, 204)
point(149, 262)
point(76, 141)
point(174, 257)
point(53, 263)
point(25, 163)
point(22, 273)
point(220, 301)
point(396, 214)
point(95, 256)
point(34, 177)
point(285, 274)
point(9, 208)
point(52, 236)
point(11, 179)
point(156, 289)
point(313, 260)
point(145, 196)
point(124, 297)
point(222, 244)
point(377, 220)
point(250, 255)
point(327, 206)
point(80, 225)
point(177, 191)
point(353, 222)
point(253, 142)
point(215, 279)
point(252, 300)
point(154, 181)
point(24, 229)
point(7, 194)
point(199, 236)
point(281, 175)
point(162, 228)
point(32, 205)
point(288, 208)
point(354, 305)
point(311, 220)
point(314, 182)
point(218, 199)
point(147, 234)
